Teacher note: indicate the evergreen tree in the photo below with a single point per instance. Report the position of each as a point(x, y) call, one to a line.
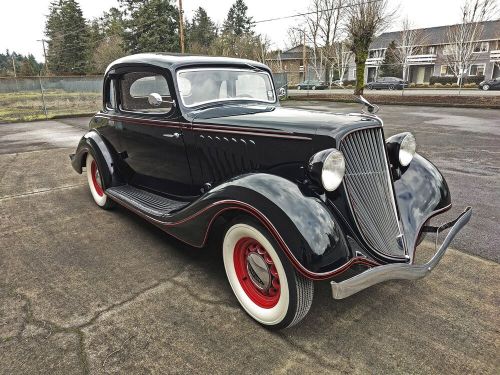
point(106, 40)
point(390, 65)
point(25, 65)
point(151, 25)
point(201, 32)
point(237, 21)
point(68, 38)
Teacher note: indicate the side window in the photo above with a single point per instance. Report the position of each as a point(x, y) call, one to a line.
point(111, 99)
point(136, 88)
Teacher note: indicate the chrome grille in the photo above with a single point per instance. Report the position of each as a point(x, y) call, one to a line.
point(369, 188)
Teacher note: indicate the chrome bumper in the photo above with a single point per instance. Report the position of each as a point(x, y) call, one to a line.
point(400, 271)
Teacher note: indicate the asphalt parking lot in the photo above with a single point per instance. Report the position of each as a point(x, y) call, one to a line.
point(83, 290)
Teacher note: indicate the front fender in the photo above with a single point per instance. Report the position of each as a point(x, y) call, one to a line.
point(421, 192)
point(303, 226)
point(103, 154)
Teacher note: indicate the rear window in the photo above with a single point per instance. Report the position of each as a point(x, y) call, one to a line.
point(136, 88)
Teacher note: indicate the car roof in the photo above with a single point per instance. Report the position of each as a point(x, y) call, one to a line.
point(173, 61)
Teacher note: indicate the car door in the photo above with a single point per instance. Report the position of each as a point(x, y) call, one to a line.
point(152, 132)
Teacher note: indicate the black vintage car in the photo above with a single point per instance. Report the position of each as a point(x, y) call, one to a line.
point(387, 83)
point(185, 142)
point(312, 84)
point(490, 84)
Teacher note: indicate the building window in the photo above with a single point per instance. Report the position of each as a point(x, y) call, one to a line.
point(431, 50)
point(447, 49)
point(446, 71)
point(481, 47)
point(476, 70)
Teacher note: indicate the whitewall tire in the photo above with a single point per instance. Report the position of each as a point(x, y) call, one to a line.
point(265, 283)
point(95, 183)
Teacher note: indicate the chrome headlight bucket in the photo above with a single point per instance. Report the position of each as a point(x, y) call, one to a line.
point(327, 168)
point(402, 148)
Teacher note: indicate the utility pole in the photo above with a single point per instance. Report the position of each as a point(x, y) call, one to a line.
point(14, 65)
point(44, 54)
point(181, 26)
point(304, 52)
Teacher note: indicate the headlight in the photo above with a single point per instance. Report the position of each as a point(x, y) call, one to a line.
point(401, 148)
point(327, 168)
point(407, 149)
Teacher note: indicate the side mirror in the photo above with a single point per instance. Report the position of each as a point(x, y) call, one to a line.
point(281, 92)
point(155, 99)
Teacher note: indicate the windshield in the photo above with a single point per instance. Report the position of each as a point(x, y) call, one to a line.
point(199, 86)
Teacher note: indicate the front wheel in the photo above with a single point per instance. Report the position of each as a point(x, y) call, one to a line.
point(263, 280)
point(95, 183)
point(314, 87)
point(486, 87)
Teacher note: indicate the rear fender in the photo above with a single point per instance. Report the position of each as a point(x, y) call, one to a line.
point(103, 154)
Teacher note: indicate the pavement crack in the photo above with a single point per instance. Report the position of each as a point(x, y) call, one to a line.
point(201, 299)
point(133, 297)
point(40, 191)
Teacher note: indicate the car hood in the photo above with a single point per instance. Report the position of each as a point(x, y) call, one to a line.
point(296, 121)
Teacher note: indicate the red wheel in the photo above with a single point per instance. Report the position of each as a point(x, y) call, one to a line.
point(263, 280)
point(94, 178)
point(256, 272)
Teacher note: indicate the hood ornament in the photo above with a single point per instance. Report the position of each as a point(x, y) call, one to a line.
point(371, 108)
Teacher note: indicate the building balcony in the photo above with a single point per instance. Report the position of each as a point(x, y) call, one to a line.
point(495, 55)
point(373, 61)
point(421, 59)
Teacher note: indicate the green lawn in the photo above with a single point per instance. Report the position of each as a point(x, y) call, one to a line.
point(28, 106)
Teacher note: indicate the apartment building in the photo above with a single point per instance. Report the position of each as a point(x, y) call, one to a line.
point(430, 57)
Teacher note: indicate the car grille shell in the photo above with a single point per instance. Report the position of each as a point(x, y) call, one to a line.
point(370, 191)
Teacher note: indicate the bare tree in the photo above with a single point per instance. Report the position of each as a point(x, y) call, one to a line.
point(326, 23)
point(364, 20)
point(409, 43)
point(341, 57)
point(459, 52)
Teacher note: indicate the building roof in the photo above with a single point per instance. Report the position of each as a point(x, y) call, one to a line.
point(294, 53)
point(437, 35)
point(173, 61)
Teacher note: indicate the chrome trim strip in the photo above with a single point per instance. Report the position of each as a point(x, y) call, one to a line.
point(398, 271)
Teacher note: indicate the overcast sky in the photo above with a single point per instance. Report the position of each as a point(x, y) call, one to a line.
point(22, 21)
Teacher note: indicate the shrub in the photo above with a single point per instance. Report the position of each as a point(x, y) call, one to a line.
point(453, 80)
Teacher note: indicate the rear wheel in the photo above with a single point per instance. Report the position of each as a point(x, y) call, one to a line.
point(314, 87)
point(486, 87)
point(391, 87)
point(263, 280)
point(370, 87)
point(95, 183)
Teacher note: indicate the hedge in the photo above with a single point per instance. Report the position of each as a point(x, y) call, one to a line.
point(450, 80)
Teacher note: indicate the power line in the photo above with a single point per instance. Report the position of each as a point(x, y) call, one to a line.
point(315, 11)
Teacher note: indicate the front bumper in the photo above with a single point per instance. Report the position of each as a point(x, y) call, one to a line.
point(400, 271)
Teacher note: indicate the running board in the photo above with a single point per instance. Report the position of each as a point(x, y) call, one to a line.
point(150, 204)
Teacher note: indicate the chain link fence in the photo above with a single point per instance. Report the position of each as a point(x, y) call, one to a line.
point(40, 98)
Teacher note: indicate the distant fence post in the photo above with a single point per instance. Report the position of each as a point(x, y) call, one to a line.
point(43, 98)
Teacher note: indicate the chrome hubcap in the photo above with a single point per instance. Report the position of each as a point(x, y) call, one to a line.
point(258, 270)
point(98, 177)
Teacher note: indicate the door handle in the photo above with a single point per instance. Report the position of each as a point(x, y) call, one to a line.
point(174, 135)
